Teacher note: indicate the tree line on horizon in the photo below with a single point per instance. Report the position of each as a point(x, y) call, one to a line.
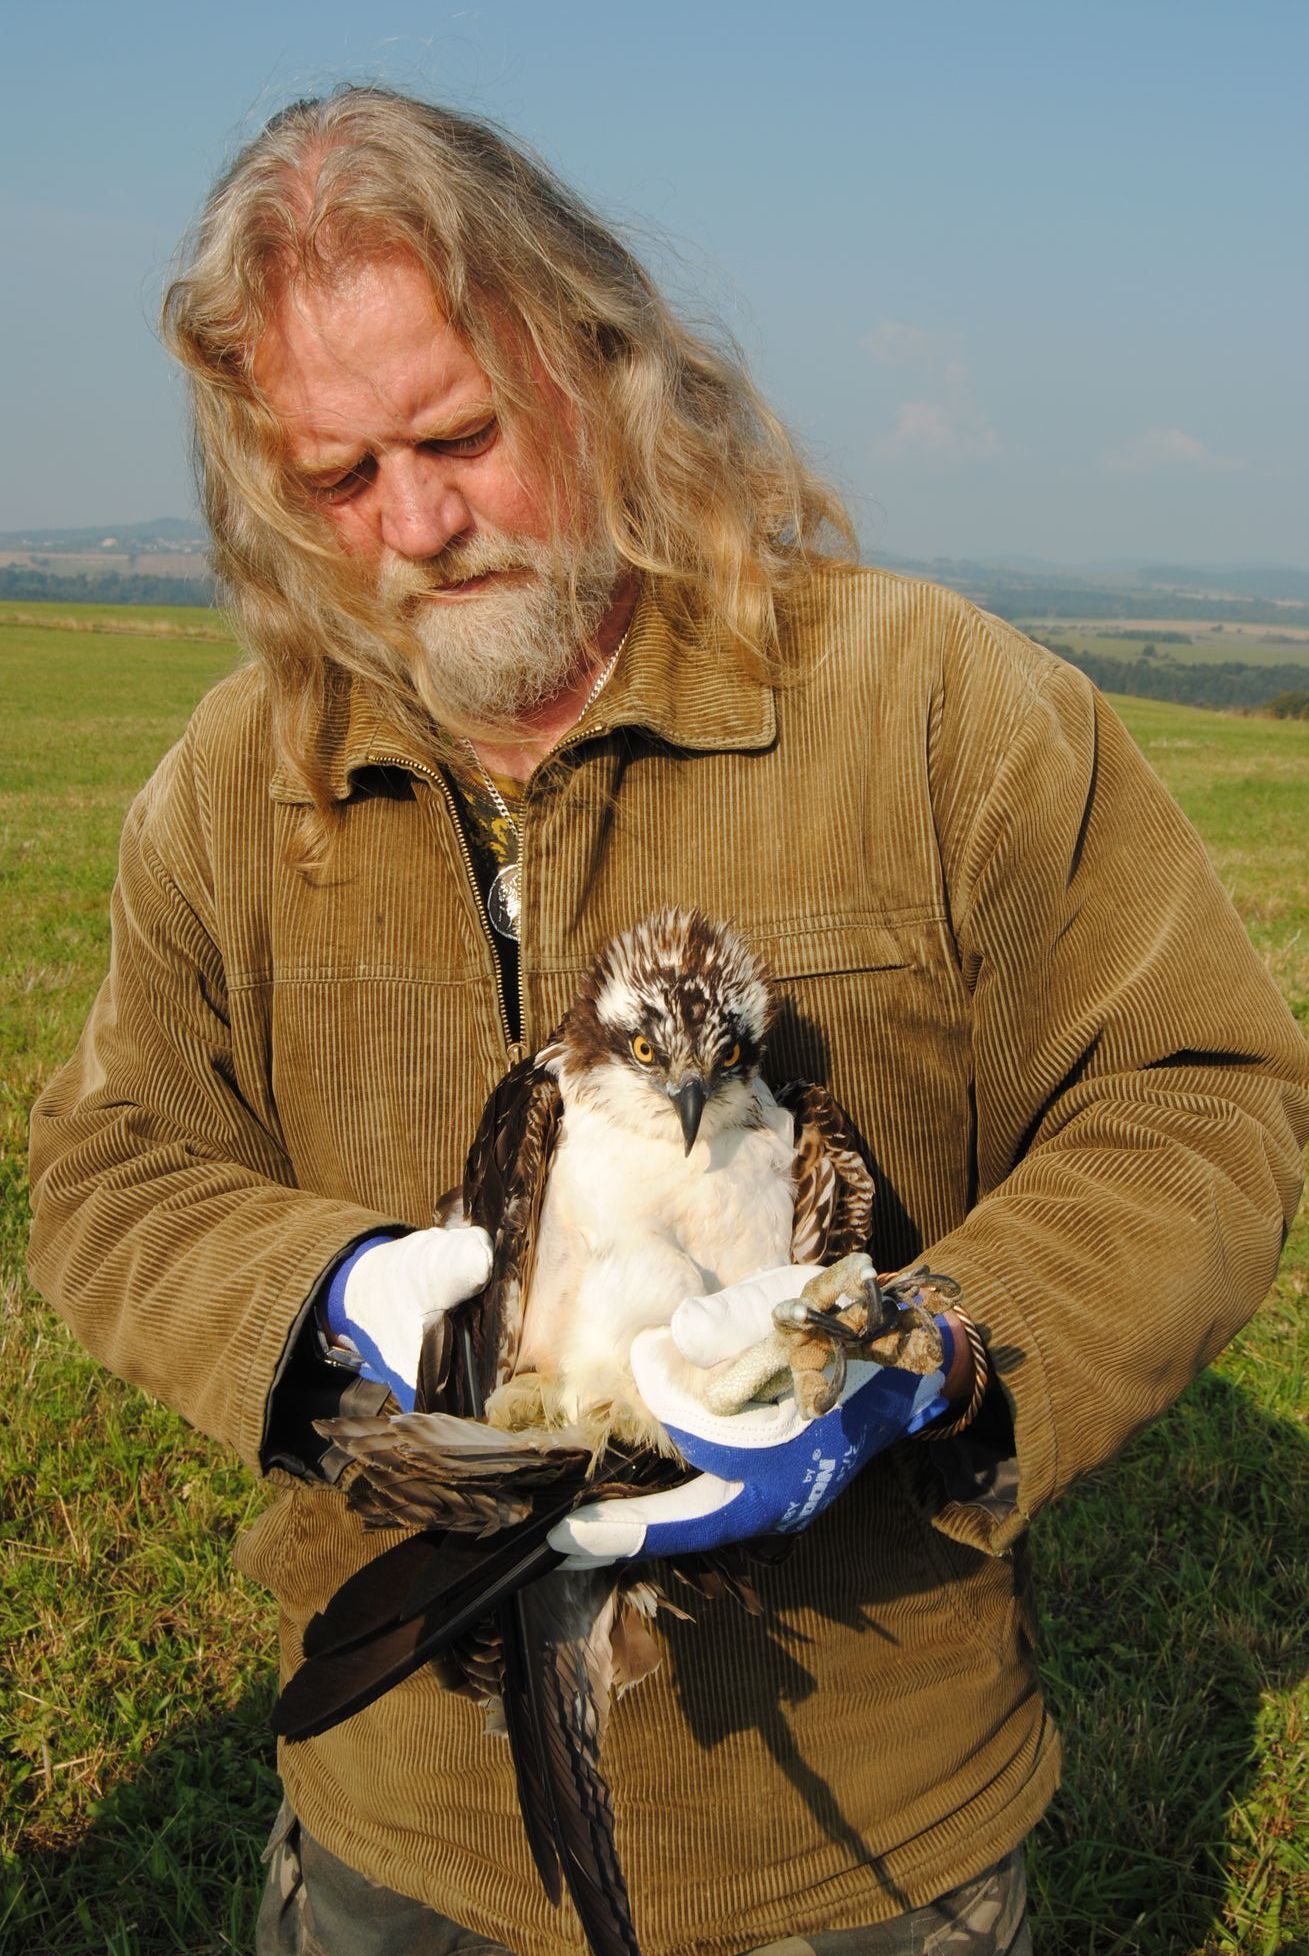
point(20, 583)
point(1280, 690)
point(1053, 602)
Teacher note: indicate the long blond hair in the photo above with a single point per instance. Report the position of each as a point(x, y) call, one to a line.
point(697, 482)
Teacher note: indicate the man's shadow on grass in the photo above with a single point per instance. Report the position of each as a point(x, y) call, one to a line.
point(1171, 1602)
point(170, 1863)
point(1171, 1599)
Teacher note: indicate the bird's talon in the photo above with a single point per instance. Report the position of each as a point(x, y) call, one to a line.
point(815, 1393)
point(794, 1318)
point(921, 1281)
point(839, 1280)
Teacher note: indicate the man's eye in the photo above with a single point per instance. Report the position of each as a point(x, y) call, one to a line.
point(475, 443)
point(340, 488)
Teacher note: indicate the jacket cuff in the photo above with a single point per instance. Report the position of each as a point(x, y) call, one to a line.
point(974, 1497)
point(318, 1380)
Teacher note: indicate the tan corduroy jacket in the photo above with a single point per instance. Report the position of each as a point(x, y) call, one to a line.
point(1004, 950)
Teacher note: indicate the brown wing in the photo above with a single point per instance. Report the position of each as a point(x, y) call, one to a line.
point(833, 1188)
point(504, 1182)
point(433, 1470)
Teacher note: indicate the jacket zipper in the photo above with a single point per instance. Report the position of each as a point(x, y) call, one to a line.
point(597, 729)
point(514, 1048)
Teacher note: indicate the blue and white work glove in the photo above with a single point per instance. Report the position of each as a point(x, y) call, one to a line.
point(384, 1294)
point(765, 1470)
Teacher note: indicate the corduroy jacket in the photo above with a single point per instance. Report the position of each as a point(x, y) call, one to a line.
point(1003, 949)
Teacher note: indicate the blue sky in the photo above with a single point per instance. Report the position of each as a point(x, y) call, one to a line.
point(1026, 279)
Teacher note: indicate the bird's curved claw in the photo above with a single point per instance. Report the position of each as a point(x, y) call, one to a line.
point(795, 1318)
point(847, 1311)
point(843, 1312)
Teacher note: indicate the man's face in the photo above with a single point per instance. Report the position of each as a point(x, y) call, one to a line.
point(390, 430)
point(389, 420)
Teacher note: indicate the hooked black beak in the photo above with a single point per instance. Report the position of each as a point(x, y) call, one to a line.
point(689, 1099)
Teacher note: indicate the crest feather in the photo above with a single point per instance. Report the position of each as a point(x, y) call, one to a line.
point(677, 964)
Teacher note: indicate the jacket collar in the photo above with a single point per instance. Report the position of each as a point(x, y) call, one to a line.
point(695, 696)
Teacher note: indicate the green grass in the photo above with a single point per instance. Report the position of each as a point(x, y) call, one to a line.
point(1244, 782)
point(134, 1720)
point(86, 717)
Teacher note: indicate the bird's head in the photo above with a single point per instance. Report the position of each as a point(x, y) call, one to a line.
point(668, 1029)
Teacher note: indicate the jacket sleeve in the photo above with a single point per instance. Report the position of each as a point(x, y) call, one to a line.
point(1141, 1093)
point(167, 1229)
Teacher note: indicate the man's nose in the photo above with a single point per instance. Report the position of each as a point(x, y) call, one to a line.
point(421, 509)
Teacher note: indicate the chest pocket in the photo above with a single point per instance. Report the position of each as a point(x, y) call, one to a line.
point(829, 981)
point(808, 953)
point(877, 1014)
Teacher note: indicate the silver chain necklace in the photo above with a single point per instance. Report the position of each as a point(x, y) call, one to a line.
point(504, 898)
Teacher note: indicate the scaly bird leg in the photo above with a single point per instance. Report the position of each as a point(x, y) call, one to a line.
point(842, 1312)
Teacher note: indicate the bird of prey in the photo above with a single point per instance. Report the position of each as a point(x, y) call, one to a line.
point(638, 1158)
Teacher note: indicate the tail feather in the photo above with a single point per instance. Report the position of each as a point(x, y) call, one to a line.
point(377, 1597)
point(558, 1677)
point(414, 1602)
point(347, 1672)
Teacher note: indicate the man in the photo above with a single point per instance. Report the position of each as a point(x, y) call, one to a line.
point(542, 638)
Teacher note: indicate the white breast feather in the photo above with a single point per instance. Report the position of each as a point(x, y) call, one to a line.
point(630, 1226)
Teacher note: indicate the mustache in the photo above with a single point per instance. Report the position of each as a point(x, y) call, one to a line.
point(402, 579)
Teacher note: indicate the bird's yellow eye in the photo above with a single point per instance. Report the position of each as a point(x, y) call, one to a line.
point(642, 1048)
point(734, 1055)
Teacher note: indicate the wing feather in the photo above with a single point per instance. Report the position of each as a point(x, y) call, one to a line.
point(504, 1183)
point(433, 1470)
point(833, 1187)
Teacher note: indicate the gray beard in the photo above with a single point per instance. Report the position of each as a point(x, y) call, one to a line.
point(490, 659)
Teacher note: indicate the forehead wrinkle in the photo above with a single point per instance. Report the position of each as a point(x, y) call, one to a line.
point(321, 441)
point(342, 368)
point(329, 457)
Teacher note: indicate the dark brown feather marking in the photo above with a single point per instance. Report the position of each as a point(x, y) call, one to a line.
point(682, 966)
point(504, 1183)
point(833, 1187)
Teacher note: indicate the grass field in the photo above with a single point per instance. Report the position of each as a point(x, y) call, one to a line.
point(137, 621)
point(138, 1684)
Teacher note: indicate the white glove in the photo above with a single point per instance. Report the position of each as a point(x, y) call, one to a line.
point(727, 1322)
point(382, 1297)
point(766, 1469)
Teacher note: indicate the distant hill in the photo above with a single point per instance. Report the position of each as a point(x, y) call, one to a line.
point(163, 561)
point(1275, 581)
point(1253, 594)
point(160, 533)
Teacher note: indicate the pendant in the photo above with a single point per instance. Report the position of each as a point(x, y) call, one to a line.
point(502, 901)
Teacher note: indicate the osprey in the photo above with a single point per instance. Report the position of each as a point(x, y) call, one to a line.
point(638, 1158)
